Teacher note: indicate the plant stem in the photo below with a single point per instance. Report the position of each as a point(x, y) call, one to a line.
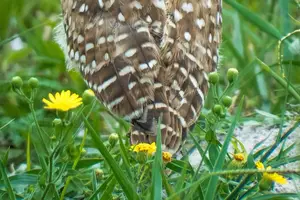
point(31, 107)
point(74, 165)
point(28, 162)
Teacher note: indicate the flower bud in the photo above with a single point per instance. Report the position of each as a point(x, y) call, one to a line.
point(227, 100)
point(99, 173)
point(33, 83)
point(88, 96)
point(213, 77)
point(232, 74)
point(58, 125)
point(265, 184)
point(72, 151)
point(83, 151)
point(17, 82)
point(113, 139)
point(142, 157)
point(217, 109)
point(57, 122)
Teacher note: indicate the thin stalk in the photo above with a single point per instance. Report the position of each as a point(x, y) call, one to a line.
point(69, 178)
point(28, 158)
point(39, 130)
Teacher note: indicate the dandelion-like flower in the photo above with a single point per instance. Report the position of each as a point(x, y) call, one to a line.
point(275, 177)
point(167, 156)
point(239, 157)
point(63, 101)
point(144, 147)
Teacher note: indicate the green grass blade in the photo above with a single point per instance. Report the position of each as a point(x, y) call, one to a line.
point(213, 182)
point(156, 192)
point(202, 153)
point(94, 196)
point(6, 182)
point(282, 196)
point(107, 194)
point(120, 177)
point(255, 19)
point(169, 189)
point(125, 157)
point(280, 80)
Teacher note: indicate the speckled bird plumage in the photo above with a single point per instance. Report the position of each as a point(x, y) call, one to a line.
point(145, 59)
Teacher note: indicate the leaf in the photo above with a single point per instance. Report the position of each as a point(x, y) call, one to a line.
point(282, 196)
point(179, 165)
point(126, 185)
point(101, 188)
point(109, 190)
point(255, 19)
point(156, 192)
point(6, 182)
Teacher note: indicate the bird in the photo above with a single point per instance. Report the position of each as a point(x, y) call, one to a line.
point(146, 60)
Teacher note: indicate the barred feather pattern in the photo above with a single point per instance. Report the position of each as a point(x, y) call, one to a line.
point(190, 51)
point(145, 59)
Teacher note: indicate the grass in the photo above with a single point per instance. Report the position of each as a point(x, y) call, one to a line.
point(65, 162)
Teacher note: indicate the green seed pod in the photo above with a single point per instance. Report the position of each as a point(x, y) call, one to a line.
point(232, 74)
point(217, 109)
point(88, 96)
point(33, 83)
point(227, 100)
point(17, 82)
point(213, 77)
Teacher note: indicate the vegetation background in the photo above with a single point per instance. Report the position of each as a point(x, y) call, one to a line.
point(251, 32)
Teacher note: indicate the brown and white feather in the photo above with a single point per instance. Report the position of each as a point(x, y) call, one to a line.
point(146, 59)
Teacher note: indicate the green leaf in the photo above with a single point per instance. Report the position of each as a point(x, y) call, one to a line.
point(126, 185)
point(107, 194)
point(213, 182)
point(179, 165)
point(168, 187)
point(101, 188)
point(6, 182)
point(282, 196)
point(255, 19)
point(280, 80)
point(156, 192)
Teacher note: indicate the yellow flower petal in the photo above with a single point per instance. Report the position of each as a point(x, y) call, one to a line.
point(167, 156)
point(239, 157)
point(63, 101)
point(259, 165)
point(275, 177)
point(51, 97)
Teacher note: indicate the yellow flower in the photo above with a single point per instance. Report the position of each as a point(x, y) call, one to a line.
point(144, 147)
point(259, 165)
point(239, 157)
point(63, 101)
point(167, 157)
point(275, 177)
